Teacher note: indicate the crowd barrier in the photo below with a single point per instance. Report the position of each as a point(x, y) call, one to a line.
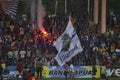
point(80, 72)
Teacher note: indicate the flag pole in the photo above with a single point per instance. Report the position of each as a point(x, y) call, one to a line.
point(56, 10)
point(88, 7)
point(56, 7)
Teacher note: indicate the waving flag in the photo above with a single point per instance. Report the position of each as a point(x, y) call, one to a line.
point(68, 45)
point(10, 7)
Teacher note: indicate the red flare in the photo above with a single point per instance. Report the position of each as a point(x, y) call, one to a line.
point(45, 34)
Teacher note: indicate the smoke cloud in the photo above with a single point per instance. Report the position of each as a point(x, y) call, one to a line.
point(40, 14)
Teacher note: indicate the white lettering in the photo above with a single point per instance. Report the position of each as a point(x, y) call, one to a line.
point(116, 71)
point(110, 72)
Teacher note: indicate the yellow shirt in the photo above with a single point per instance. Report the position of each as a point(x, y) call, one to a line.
point(7, 23)
point(3, 65)
point(100, 51)
point(112, 48)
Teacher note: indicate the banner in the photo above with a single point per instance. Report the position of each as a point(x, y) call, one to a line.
point(113, 72)
point(98, 72)
point(80, 72)
point(68, 45)
point(58, 72)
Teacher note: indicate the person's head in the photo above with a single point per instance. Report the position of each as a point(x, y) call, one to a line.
point(66, 62)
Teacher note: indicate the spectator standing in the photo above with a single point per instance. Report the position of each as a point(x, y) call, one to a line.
point(105, 61)
point(3, 65)
point(32, 68)
point(29, 75)
point(94, 71)
point(10, 56)
point(19, 65)
point(66, 70)
point(72, 71)
point(25, 73)
point(39, 67)
point(22, 54)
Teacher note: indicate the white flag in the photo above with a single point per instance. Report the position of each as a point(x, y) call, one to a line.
point(68, 45)
point(10, 7)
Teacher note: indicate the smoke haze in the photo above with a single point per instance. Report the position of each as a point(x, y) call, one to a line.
point(40, 14)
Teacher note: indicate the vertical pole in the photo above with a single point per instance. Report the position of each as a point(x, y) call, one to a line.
point(27, 7)
point(91, 10)
point(88, 7)
point(56, 4)
point(56, 7)
point(33, 10)
point(39, 13)
point(95, 11)
point(103, 17)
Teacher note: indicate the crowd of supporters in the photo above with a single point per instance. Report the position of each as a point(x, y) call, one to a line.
point(22, 42)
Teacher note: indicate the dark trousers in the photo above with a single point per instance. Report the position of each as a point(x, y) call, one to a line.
point(39, 72)
point(66, 73)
